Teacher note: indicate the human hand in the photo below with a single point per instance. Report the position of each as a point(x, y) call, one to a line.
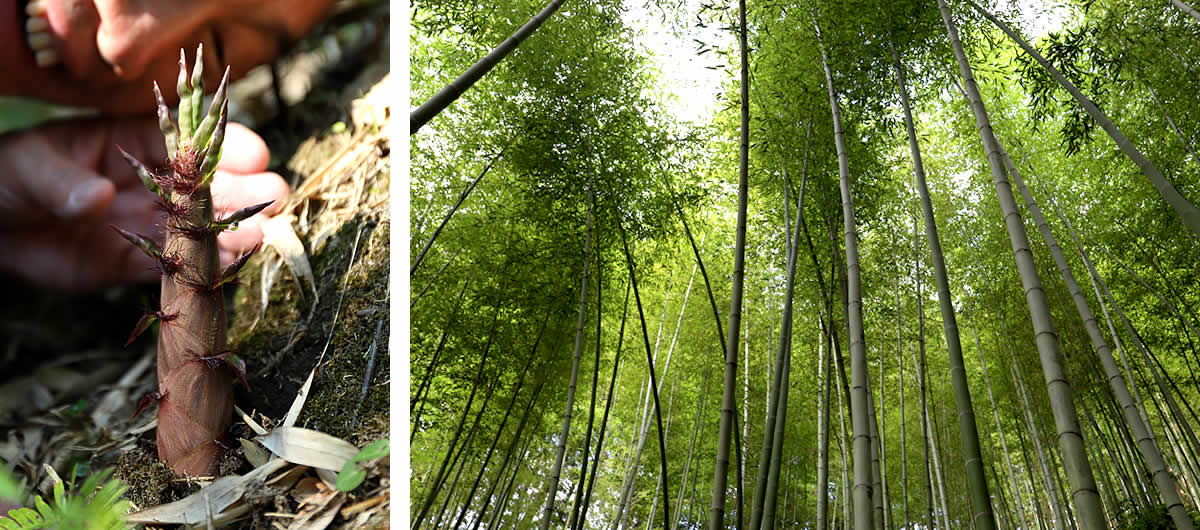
point(62, 185)
point(104, 54)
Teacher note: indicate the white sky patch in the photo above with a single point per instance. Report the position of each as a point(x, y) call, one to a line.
point(691, 84)
point(1041, 18)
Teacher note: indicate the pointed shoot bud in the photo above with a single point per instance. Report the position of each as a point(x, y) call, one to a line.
point(230, 273)
point(142, 326)
point(212, 155)
point(239, 367)
point(170, 132)
point(147, 399)
point(185, 99)
point(142, 242)
point(215, 111)
point(198, 86)
point(231, 222)
point(143, 172)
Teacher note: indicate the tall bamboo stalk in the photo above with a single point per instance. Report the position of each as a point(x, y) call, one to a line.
point(860, 398)
point(1186, 9)
point(822, 515)
point(716, 520)
point(1012, 476)
point(1186, 210)
point(903, 435)
point(662, 444)
point(1060, 519)
point(564, 434)
point(613, 385)
point(771, 485)
point(1151, 454)
point(1070, 437)
point(983, 517)
point(587, 437)
point(436, 104)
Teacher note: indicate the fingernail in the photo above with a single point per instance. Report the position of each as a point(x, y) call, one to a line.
point(85, 198)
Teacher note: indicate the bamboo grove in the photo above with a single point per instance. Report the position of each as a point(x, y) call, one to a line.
point(622, 318)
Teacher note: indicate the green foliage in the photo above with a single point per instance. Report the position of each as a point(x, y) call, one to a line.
point(10, 489)
point(95, 504)
point(354, 472)
point(580, 104)
point(1133, 517)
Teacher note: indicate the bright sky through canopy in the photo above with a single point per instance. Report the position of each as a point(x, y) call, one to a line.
point(690, 83)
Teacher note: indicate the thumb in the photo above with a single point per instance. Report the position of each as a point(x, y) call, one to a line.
point(42, 184)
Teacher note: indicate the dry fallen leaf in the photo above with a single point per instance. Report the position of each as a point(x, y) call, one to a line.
point(255, 454)
point(279, 235)
point(217, 497)
point(308, 447)
point(320, 515)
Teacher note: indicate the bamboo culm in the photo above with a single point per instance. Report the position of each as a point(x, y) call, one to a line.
point(1084, 491)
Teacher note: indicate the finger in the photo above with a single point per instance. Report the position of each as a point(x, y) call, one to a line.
point(234, 243)
point(114, 261)
point(232, 191)
point(243, 151)
point(68, 259)
point(138, 212)
point(45, 182)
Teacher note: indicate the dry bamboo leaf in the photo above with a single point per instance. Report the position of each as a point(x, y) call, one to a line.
point(328, 477)
point(221, 494)
point(31, 441)
point(308, 447)
point(287, 480)
point(144, 428)
point(226, 518)
point(293, 412)
point(270, 272)
point(255, 454)
point(117, 398)
point(279, 235)
point(254, 426)
point(307, 490)
point(320, 516)
point(374, 107)
point(373, 502)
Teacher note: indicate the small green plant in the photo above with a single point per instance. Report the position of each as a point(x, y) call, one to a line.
point(355, 470)
point(96, 504)
point(10, 489)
